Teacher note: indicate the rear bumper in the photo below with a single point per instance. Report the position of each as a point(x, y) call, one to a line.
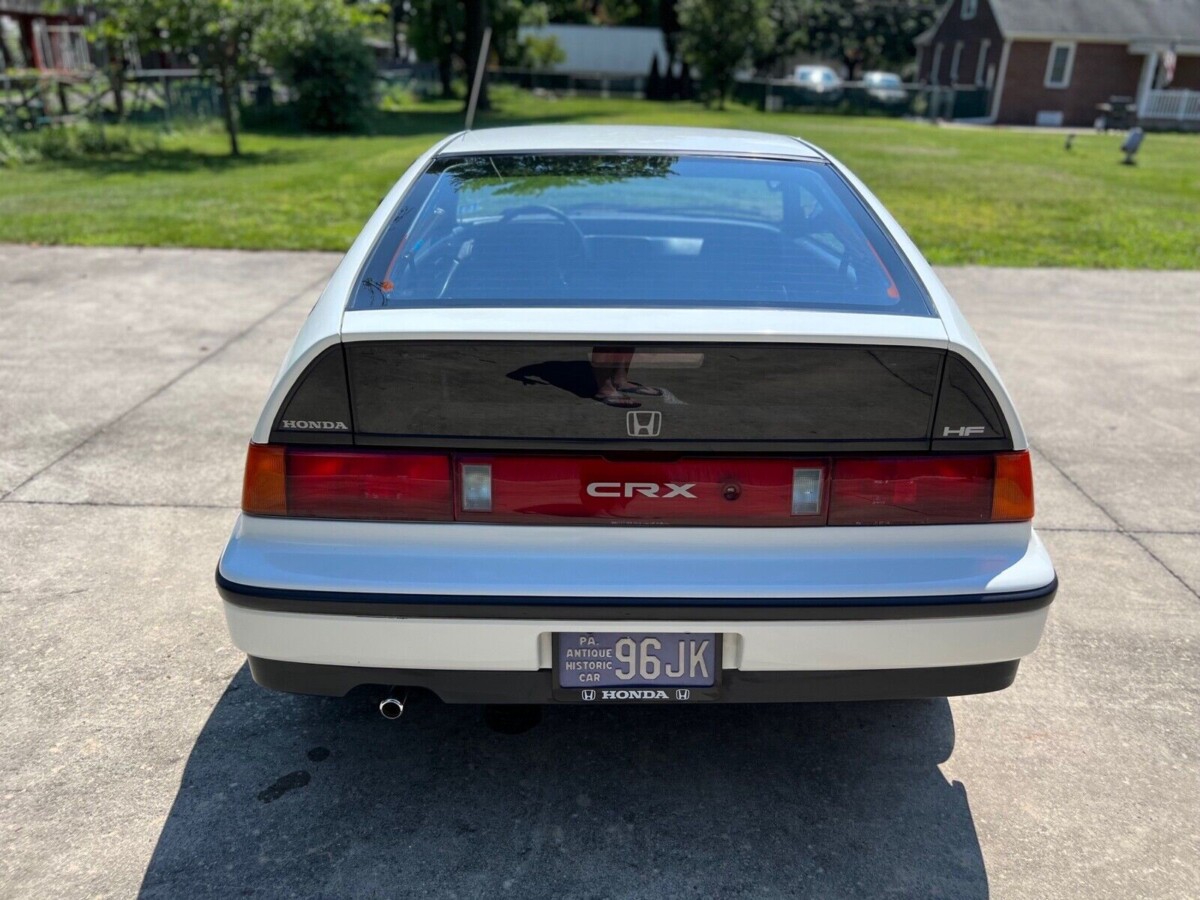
point(816, 652)
point(735, 686)
point(710, 566)
point(469, 611)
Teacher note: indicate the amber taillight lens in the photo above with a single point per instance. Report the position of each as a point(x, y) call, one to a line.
point(264, 489)
point(1012, 489)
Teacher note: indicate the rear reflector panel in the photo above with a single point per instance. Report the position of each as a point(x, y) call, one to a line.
point(680, 492)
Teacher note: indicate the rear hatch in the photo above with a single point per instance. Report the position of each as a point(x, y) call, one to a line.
point(643, 432)
point(683, 397)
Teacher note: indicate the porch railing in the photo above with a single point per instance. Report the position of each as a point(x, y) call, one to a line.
point(1176, 106)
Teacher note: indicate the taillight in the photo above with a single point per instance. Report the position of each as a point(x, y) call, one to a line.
point(402, 486)
point(347, 484)
point(931, 490)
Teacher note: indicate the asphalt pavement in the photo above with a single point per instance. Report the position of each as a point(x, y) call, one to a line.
point(138, 757)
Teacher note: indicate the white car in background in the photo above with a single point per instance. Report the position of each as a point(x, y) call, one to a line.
point(818, 79)
point(885, 87)
point(635, 415)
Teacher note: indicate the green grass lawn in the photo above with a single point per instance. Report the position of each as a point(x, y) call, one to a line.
point(966, 195)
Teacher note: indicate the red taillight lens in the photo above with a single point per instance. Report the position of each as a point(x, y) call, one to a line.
point(943, 490)
point(348, 484)
point(358, 485)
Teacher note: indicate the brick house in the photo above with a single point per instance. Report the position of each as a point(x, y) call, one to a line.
point(44, 37)
point(1053, 62)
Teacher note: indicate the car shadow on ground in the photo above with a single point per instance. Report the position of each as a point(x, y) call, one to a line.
point(300, 796)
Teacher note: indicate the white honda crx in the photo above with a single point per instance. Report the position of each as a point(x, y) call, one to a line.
point(620, 414)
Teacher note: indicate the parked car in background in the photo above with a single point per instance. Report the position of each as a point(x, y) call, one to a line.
point(599, 414)
point(820, 80)
point(885, 87)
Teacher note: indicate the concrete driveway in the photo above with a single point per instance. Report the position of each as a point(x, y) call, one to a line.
point(138, 755)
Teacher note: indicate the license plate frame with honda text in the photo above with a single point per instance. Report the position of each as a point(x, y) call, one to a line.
point(636, 667)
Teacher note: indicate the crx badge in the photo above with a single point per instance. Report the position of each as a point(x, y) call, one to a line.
point(643, 423)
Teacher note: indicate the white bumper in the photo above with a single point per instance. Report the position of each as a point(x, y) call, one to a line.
point(485, 566)
point(524, 644)
point(559, 561)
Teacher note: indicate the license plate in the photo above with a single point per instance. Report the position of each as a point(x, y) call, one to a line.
point(635, 665)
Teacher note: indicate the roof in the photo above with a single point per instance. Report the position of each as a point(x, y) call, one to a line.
point(1121, 20)
point(629, 138)
point(604, 49)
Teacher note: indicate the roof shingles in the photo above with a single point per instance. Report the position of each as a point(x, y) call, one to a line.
point(1119, 19)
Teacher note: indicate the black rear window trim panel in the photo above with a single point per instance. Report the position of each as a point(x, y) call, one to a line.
point(657, 448)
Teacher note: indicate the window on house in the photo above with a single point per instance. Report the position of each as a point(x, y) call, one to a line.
point(935, 68)
point(955, 59)
point(969, 8)
point(1059, 65)
point(981, 63)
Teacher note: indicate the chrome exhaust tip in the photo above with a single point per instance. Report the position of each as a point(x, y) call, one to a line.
point(391, 707)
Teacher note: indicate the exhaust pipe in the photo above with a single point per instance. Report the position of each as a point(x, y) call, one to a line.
point(391, 707)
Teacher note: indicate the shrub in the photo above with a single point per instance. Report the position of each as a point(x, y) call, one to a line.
point(73, 142)
point(15, 150)
point(333, 75)
point(96, 140)
point(541, 52)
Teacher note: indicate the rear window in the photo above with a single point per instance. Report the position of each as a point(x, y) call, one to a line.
point(640, 231)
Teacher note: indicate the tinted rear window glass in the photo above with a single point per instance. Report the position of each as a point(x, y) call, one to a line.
point(574, 230)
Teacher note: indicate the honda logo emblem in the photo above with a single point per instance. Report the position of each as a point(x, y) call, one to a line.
point(683, 694)
point(589, 695)
point(643, 423)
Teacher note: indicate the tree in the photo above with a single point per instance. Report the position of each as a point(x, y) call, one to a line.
point(333, 73)
point(450, 32)
point(476, 22)
point(654, 81)
point(788, 20)
point(397, 16)
point(219, 36)
point(541, 52)
point(721, 35)
point(603, 12)
point(435, 32)
point(865, 33)
point(668, 24)
point(120, 25)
